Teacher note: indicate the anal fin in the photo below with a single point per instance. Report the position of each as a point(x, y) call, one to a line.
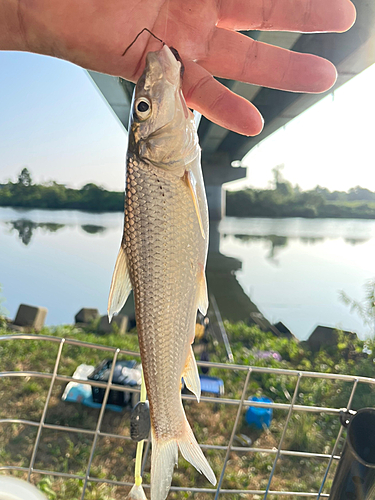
point(120, 286)
point(191, 375)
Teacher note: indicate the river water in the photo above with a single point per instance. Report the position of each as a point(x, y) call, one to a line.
point(292, 269)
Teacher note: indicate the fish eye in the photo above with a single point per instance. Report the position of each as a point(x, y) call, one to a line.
point(142, 108)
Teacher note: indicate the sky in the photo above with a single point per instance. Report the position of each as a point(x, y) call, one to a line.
point(55, 122)
point(331, 144)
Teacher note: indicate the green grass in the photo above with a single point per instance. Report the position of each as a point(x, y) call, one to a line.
point(68, 452)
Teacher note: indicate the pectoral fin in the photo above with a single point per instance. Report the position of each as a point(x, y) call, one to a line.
point(120, 286)
point(191, 182)
point(202, 300)
point(191, 376)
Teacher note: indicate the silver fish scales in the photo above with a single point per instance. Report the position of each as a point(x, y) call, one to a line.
point(163, 256)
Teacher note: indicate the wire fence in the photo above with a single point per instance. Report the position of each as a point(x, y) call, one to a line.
point(241, 403)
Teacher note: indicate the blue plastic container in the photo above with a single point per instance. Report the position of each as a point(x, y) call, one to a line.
point(259, 417)
point(212, 385)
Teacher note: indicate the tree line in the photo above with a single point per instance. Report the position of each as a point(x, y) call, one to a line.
point(24, 193)
point(284, 200)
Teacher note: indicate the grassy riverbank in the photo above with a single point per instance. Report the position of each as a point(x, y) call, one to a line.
point(24, 397)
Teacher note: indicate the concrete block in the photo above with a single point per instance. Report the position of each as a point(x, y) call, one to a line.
point(30, 317)
point(284, 331)
point(120, 321)
point(325, 336)
point(86, 315)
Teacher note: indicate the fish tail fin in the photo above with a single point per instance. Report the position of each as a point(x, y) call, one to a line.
point(165, 456)
point(192, 452)
point(163, 459)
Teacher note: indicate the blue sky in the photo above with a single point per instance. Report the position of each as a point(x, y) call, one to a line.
point(54, 121)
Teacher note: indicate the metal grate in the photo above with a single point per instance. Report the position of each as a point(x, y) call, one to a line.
point(241, 403)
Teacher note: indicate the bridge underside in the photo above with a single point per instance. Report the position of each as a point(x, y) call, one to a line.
point(351, 52)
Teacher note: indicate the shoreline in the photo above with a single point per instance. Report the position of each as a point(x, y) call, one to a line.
point(236, 216)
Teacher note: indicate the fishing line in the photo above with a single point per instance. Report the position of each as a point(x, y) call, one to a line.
point(139, 34)
point(172, 49)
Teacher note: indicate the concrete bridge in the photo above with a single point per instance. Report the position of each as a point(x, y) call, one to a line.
point(351, 52)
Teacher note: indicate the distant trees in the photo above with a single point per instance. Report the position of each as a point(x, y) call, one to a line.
point(24, 193)
point(284, 200)
point(359, 194)
point(24, 178)
point(282, 186)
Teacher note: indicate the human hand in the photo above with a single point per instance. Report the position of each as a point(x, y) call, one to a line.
point(95, 33)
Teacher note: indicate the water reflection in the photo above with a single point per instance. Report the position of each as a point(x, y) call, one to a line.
point(25, 228)
point(233, 303)
point(315, 260)
point(311, 241)
point(93, 229)
point(290, 269)
point(355, 241)
point(278, 243)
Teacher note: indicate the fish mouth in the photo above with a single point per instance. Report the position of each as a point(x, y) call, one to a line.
point(178, 57)
point(165, 63)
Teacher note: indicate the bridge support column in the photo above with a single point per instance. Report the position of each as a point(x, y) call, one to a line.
point(217, 171)
point(216, 201)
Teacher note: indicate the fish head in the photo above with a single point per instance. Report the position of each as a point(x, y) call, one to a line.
point(162, 129)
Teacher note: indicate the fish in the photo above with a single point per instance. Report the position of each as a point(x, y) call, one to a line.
point(163, 257)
